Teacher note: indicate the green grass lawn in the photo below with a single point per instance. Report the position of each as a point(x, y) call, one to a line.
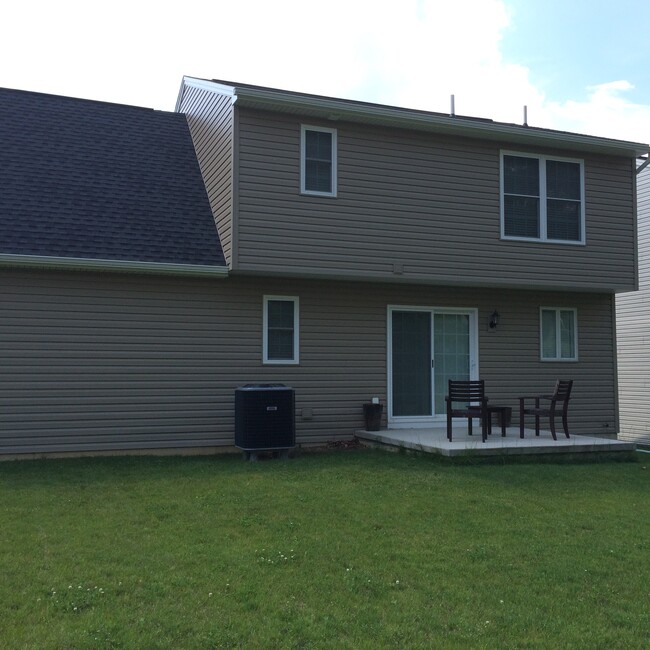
point(350, 549)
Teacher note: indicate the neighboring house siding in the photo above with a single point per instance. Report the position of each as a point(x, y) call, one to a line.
point(426, 203)
point(211, 120)
point(633, 326)
point(108, 361)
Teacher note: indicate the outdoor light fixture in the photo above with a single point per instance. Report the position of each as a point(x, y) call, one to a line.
point(494, 320)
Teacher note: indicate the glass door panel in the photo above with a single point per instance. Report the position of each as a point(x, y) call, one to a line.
point(451, 353)
point(411, 363)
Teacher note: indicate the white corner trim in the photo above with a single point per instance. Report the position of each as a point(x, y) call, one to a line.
point(127, 266)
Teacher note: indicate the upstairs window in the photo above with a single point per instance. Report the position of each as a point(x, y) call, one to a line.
point(318, 161)
point(280, 338)
point(542, 198)
point(559, 334)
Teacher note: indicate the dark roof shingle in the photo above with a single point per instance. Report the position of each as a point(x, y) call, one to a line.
point(93, 180)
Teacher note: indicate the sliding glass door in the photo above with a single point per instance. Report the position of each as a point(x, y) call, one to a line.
point(426, 348)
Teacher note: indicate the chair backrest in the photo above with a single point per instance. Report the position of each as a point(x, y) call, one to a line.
point(562, 390)
point(466, 391)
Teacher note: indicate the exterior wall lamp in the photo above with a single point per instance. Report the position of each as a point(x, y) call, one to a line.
point(494, 320)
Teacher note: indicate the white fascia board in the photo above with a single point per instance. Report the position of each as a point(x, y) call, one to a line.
point(342, 109)
point(333, 108)
point(124, 266)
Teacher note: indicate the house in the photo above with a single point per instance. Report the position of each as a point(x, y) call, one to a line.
point(107, 246)
point(633, 314)
point(349, 250)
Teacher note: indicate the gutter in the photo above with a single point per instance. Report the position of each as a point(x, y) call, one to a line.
point(488, 130)
point(124, 266)
point(331, 108)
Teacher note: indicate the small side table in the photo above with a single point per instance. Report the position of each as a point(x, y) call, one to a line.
point(505, 417)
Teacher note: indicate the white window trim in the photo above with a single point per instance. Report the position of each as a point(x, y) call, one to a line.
point(303, 159)
point(543, 199)
point(558, 343)
point(296, 332)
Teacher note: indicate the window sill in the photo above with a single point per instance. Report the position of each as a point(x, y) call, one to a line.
point(559, 360)
point(325, 195)
point(531, 240)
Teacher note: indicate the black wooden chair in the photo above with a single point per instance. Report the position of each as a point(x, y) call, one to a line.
point(471, 394)
point(558, 403)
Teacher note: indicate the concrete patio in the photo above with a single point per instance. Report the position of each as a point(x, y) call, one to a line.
point(434, 441)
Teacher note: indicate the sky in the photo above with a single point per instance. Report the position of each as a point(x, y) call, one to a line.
point(578, 65)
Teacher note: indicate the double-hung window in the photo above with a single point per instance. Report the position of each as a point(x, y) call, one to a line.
point(558, 334)
point(542, 198)
point(280, 336)
point(318, 161)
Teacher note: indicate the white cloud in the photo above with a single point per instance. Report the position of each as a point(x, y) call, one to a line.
point(413, 53)
point(606, 112)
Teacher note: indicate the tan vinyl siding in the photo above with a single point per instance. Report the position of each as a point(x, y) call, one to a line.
point(109, 361)
point(210, 118)
point(633, 333)
point(426, 202)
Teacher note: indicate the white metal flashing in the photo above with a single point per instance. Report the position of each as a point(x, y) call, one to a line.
point(126, 266)
point(203, 84)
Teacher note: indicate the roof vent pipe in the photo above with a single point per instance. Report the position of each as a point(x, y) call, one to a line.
point(453, 107)
point(525, 115)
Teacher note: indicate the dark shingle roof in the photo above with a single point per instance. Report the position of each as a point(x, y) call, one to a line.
point(86, 179)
